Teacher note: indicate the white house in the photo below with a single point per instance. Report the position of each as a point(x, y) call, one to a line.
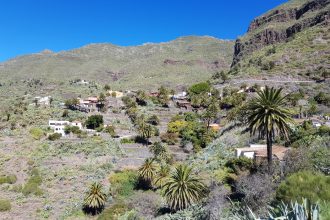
point(181, 95)
point(257, 151)
point(59, 126)
point(43, 100)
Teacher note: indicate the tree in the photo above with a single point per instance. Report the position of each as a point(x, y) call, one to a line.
point(95, 199)
point(51, 100)
point(268, 116)
point(101, 98)
point(211, 112)
point(111, 130)
point(154, 120)
point(163, 96)
point(183, 188)
point(161, 152)
point(36, 102)
point(65, 113)
point(141, 97)
point(199, 88)
point(94, 121)
point(162, 175)
point(71, 103)
point(147, 172)
point(305, 184)
point(144, 129)
point(224, 76)
point(107, 87)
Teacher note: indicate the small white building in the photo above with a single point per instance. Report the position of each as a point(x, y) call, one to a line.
point(82, 82)
point(316, 123)
point(181, 95)
point(43, 100)
point(259, 151)
point(59, 126)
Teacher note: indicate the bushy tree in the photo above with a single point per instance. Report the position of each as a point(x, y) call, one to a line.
point(305, 184)
point(94, 121)
point(199, 88)
point(71, 103)
point(163, 96)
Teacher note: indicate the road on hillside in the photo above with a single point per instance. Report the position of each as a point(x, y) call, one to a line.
point(235, 82)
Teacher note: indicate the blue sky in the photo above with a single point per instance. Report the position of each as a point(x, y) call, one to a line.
point(29, 26)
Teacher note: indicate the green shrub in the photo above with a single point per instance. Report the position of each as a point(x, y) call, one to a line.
point(110, 130)
point(4, 205)
point(127, 141)
point(123, 183)
point(72, 129)
point(222, 176)
point(305, 184)
point(113, 212)
point(322, 98)
point(199, 88)
point(11, 179)
point(239, 164)
point(36, 133)
point(169, 138)
point(32, 185)
point(55, 136)
point(154, 120)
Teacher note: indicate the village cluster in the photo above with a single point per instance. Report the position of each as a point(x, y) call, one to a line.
point(181, 100)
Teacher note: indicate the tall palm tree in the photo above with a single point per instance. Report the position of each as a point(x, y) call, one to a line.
point(145, 130)
point(148, 171)
point(267, 115)
point(183, 188)
point(95, 199)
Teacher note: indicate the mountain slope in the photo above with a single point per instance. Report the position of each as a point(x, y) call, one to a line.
point(178, 62)
point(290, 39)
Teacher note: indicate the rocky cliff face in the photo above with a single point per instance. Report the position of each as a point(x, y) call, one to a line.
point(280, 24)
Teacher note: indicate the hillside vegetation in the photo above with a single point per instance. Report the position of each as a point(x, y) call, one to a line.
point(178, 62)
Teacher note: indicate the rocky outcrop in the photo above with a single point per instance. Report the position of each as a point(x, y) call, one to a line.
point(279, 25)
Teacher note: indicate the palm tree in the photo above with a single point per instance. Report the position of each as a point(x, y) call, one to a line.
point(95, 200)
point(267, 115)
point(183, 188)
point(162, 175)
point(147, 172)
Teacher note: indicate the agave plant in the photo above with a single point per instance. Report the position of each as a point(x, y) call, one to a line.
point(292, 211)
point(296, 211)
point(95, 199)
point(183, 188)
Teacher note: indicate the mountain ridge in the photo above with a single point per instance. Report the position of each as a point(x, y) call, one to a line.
point(198, 58)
